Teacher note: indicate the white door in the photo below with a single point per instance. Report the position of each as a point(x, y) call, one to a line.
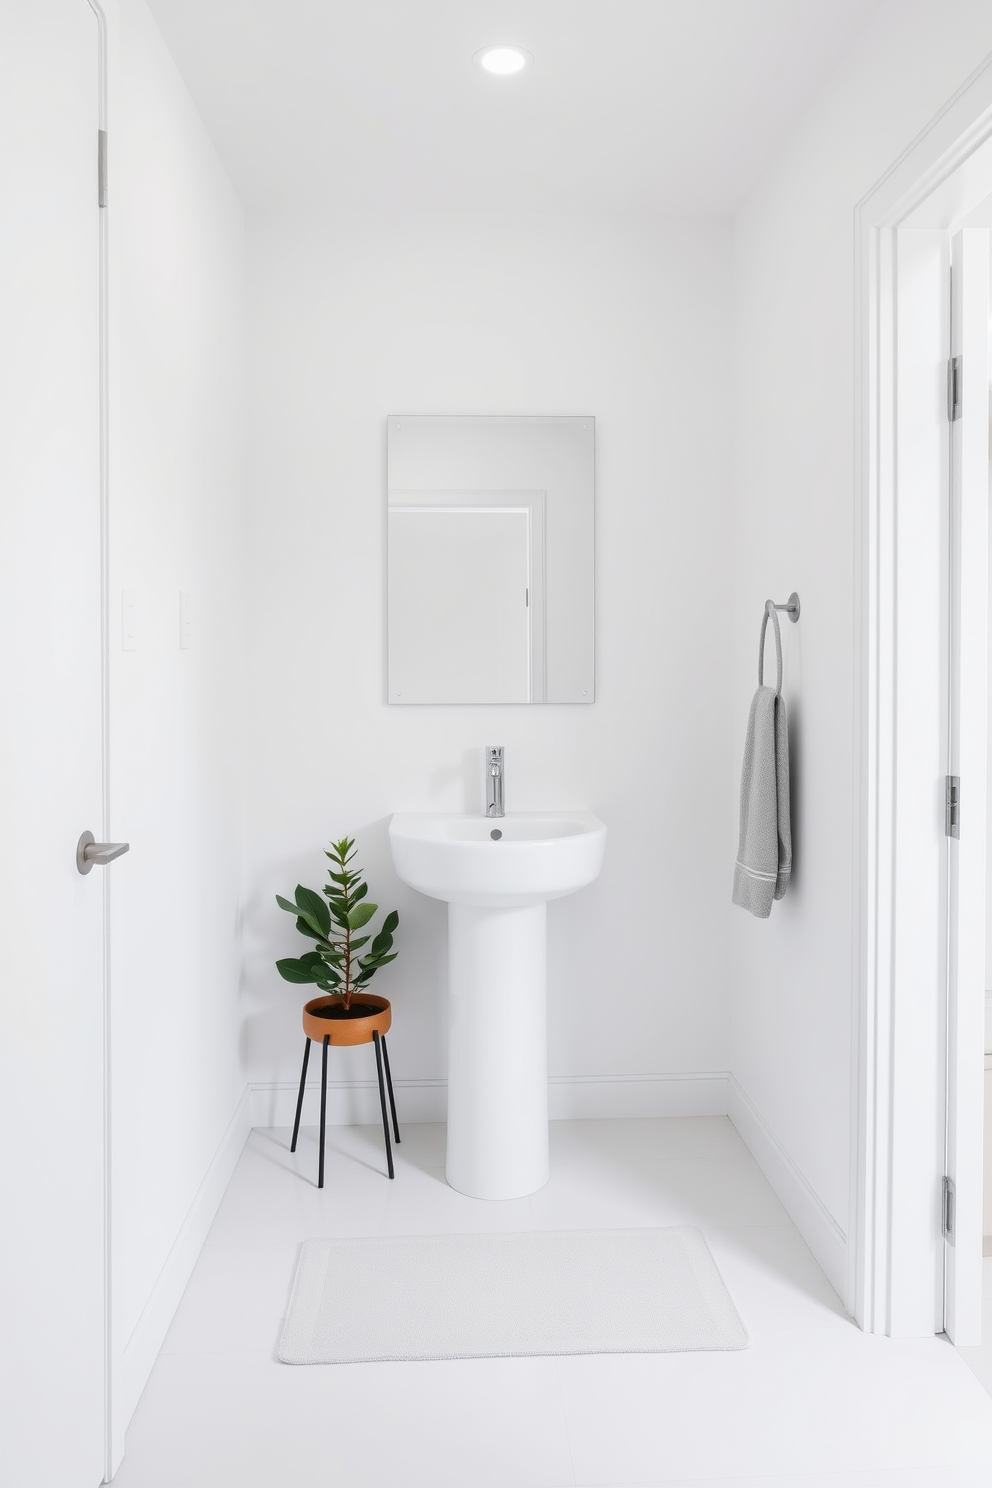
point(967, 760)
point(52, 1178)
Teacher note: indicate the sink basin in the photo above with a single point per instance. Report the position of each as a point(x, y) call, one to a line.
point(538, 856)
point(497, 888)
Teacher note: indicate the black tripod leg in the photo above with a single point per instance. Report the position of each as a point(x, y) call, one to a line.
point(299, 1103)
point(389, 1087)
point(323, 1107)
point(382, 1103)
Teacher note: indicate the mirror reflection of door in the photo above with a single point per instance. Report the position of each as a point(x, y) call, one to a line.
point(460, 587)
point(494, 464)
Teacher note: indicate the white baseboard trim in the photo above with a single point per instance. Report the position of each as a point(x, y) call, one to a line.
point(581, 1097)
point(570, 1098)
point(805, 1208)
point(142, 1348)
point(349, 1102)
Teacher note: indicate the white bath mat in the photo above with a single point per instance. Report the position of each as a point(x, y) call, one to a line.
point(489, 1296)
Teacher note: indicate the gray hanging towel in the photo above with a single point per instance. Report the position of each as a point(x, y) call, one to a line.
point(764, 857)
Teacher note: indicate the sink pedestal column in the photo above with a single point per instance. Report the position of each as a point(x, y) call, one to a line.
point(497, 1051)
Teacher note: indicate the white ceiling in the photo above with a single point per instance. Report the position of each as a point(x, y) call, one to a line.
point(630, 105)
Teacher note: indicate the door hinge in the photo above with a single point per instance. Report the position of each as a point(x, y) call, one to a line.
point(954, 378)
point(947, 1209)
point(101, 167)
point(952, 806)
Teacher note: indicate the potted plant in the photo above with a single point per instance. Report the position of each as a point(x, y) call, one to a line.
point(333, 920)
point(347, 1013)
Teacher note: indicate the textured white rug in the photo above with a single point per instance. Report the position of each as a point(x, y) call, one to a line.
point(489, 1296)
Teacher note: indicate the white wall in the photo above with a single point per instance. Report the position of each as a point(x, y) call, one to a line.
point(628, 320)
point(988, 789)
point(177, 761)
point(987, 1193)
point(794, 977)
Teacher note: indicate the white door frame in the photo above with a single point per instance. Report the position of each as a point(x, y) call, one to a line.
point(938, 179)
point(112, 1458)
point(965, 856)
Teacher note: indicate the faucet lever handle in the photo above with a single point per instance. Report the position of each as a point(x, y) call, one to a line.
point(494, 777)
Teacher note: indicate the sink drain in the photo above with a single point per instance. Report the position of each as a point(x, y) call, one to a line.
point(495, 834)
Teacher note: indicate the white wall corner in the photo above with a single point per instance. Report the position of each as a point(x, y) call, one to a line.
point(570, 1098)
point(805, 1208)
point(142, 1348)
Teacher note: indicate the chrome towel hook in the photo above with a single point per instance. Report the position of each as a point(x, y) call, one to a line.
point(791, 606)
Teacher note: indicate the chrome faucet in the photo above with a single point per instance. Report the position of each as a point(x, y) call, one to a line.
point(494, 780)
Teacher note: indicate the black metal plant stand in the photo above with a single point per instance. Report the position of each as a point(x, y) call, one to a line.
point(382, 1066)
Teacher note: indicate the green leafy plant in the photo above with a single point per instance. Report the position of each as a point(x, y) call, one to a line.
point(335, 965)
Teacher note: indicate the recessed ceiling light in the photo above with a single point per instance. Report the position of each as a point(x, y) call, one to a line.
point(503, 60)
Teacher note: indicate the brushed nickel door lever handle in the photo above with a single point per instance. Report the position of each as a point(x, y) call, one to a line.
point(89, 851)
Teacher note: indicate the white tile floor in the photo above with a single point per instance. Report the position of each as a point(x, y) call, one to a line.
point(812, 1401)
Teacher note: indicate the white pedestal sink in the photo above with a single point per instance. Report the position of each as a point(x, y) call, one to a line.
point(497, 875)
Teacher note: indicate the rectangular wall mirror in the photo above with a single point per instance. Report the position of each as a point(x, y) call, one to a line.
point(491, 579)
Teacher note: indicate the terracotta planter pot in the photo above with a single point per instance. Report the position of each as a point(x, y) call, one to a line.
point(376, 1017)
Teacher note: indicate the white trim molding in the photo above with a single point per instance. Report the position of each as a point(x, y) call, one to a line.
point(810, 1215)
point(349, 1102)
point(582, 1097)
point(887, 1228)
point(142, 1348)
point(570, 1098)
